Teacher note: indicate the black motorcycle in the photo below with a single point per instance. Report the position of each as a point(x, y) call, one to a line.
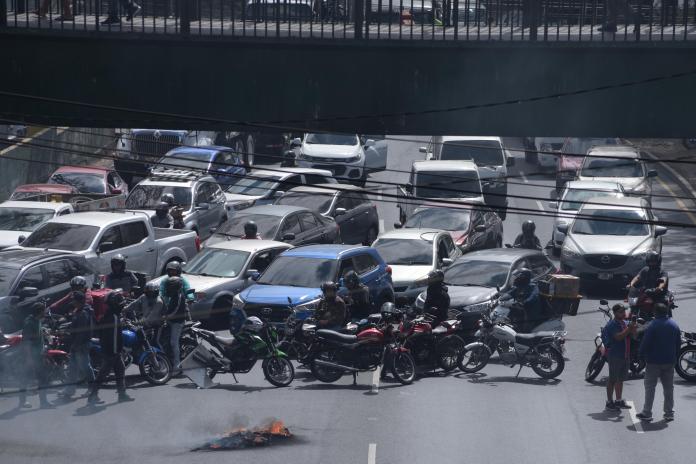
point(686, 362)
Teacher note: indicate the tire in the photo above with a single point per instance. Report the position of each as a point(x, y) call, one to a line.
point(594, 367)
point(554, 356)
point(156, 368)
point(250, 147)
point(449, 352)
point(403, 367)
point(371, 236)
point(324, 374)
point(278, 371)
point(686, 363)
point(474, 360)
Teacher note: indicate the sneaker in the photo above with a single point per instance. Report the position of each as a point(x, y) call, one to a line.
point(644, 417)
point(94, 399)
point(669, 417)
point(25, 405)
point(133, 11)
point(611, 406)
point(621, 404)
point(47, 405)
point(109, 21)
point(124, 398)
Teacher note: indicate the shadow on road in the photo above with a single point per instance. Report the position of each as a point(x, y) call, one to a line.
point(229, 387)
point(483, 378)
point(650, 426)
point(607, 416)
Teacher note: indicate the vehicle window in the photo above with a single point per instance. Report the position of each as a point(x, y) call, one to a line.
point(216, 195)
point(481, 152)
point(70, 237)
point(283, 271)
point(83, 182)
point(346, 265)
point(291, 225)
point(32, 278)
point(76, 269)
point(407, 252)
point(440, 218)
point(365, 263)
point(574, 198)
point(216, 262)
point(148, 196)
point(7, 277)
point(257, 186)
point(57, 272)
point(442, 251)
point(308, 221)
point(111, 179)
point(344, 201)
point(319, 202)
point(375, 137)
point(23, 219)
point(262, 260)
point(113, 235)
point(539, 265)
point(611, 222)
point(447, 184)
point(267, 225)
point(476, 217)
point(332, 139)
point(64, 212)
point(133, 232)
point(225, 159)
point(291, 182)
point(478, 272)
point(449, 245)
point(615, 167)
point(186, 160)
point(314, 179)
point(202, 194)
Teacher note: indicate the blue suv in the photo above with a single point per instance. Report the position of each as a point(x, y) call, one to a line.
point(292, 280)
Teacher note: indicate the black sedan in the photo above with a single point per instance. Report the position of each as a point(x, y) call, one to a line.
point(290, 224)
point(476, 278)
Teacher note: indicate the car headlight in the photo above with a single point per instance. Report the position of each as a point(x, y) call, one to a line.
point(243, 205)
point(483, 306)
point(354, 159)
point(237, 302)
point(569, 253)
point(640, 256)
point(309, 306)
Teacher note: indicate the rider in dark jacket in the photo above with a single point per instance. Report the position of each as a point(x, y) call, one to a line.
point(527, 239)
point(358, 297)
point(120, 277)
point(652, 275)
point(437, 300)
point(162, 218)
point(331, 313)
point(525, 293)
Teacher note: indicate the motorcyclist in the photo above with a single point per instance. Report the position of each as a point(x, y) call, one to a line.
point(149, 306)
point(251, 231)
point(527, 239)
point(358, 297)
point(174, 269)
point(162, 218)
point(82, 324)
point(175, 313)
point(176, 211)
point(120, 277)
point(65, 304)
point(437, 300)
point(652, 276)
point(331, 313)
point(523, 301)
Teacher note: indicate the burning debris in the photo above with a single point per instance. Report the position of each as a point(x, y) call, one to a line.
point(241, 438)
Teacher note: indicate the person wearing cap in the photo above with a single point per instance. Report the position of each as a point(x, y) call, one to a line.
point(32, 347)
point(81, 327)
point(616, 337)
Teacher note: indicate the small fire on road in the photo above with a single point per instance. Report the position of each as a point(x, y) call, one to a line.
point(242, 438)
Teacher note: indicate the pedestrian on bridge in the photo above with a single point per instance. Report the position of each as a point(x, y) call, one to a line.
point(66, 13)
point(132, 10)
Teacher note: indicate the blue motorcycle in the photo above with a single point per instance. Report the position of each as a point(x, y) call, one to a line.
point(153, 362)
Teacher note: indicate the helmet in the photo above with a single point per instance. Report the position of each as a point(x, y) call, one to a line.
point(173, 286)
point(653, 258)
point(250, 229)
point(528, 227)
point(351, 279)
point(435, 276)
point(118, 260)
point(522, 276)
point(151, 290)
point(328, 286)
point(78, 296)
point(78, 283)
point(388, 308)
point(252, 324)
point(174, 266)
point(115, 301)
point(37, 308)
point(162, 208)
point(168, 198)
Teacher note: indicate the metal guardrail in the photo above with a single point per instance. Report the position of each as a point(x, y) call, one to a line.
point(449, 20)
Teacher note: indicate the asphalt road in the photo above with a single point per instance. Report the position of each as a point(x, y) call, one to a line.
point(491, 417)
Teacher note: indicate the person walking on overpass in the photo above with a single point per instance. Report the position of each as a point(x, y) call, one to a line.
point(132, 9)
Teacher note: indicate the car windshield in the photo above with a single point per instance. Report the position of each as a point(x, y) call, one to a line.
point(447, 184)
point(477, 272)
point(581, 146)
point(409, 252)
point(440, 218)
point(318, 202)
point(23, 219)
point(186, 160)
point(266, 224)
point(481, 152)
point(83, 182)
point(148, 196)
point(574, 198)
point(284, 271)
point(332, 139)
point(54, 235)
point(216, 262)
point(253, 186)
point(7, 277)
point(611, 222)
point(622, 167)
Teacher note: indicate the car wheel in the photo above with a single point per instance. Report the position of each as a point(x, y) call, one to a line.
point(250, 147)
point(371, 236)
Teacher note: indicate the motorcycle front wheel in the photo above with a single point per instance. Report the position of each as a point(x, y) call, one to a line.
point(323, 373)
point(474, 360)
point(686, 363)
point(449, 350)
point(550, 364)
point(278, 371)
point(594, 367)
point(156, 368)
point(403, 367)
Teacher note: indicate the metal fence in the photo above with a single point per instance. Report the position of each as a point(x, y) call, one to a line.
point(482, 20)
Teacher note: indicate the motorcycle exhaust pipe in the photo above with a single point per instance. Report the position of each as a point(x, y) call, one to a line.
point(319, 362)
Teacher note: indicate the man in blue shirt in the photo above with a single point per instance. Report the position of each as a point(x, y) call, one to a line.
point(660, 348)
point(616, 338)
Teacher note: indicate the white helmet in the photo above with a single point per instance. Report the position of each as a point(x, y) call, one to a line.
point(252, 324)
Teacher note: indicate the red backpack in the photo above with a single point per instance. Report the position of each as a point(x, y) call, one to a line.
point(99, 302)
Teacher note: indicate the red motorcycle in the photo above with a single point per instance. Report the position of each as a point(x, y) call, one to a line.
point(642, 301)
point(433, 347)
point(12, 360)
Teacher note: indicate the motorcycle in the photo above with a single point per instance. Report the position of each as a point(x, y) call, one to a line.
point(686, 362)
point(438, 346)
point(502, 310)
point(12, 360)
point(238, 354)
point(642, 301)
point(334, 354)
point(542, 351)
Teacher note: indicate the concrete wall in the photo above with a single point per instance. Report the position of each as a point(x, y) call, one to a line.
point(34, 159)
point(416, 87)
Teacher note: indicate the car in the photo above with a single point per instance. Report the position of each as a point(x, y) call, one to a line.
point(28, 276)
point(490, 156)
point(476, 279)
point(412, 254)
point(348, 205)
point(574, 194)
point(548, 151)
point(471, 227)
point(222, 163)
point(572, 154)
point(20, 218)
point(264, 186)
point(200, 197)
point(28, 191)
point(621, 164)
point(293, 280)
point(290, 224)
point(608, 242)
point(222, 270)
point(90, 179)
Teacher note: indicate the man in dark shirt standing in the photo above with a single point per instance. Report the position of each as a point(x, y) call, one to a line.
point(616, 337)
point(33, 346)
point(660, 348)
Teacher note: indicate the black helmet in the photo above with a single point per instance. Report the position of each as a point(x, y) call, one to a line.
point(162, 208)
point(388, 308)
point(78, 283)
point(435, 276)
point(118, 260)
point(528, 227)
point(37, 308)
point(174, 266)
point(653, 258)
point(115, 301)
point(78, 296)
point(151, 290)
point(173, 286)
point(250, 229)
point(329, 286)
point(351, 279)
point(522, 276)
point(168, 198)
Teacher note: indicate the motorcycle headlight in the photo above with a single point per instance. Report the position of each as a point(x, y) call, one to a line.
point(309, 306)
point(237, 302)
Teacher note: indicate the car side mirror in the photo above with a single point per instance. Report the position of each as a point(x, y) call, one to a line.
point(252, 274)
point(510, 161)
point(652, 173)
point(423, 149)
point(28, 292)
point(339, 212)
point(21, 238)
point(447, 262)
point(105, 246)
point(562, 228)
point(203, 207)
point(398, 225)
point(289, 237)
point(296, 142)
point(278, 194)
point(369, 143)
point(660, 230)
point(480, 228)
point(553, 204)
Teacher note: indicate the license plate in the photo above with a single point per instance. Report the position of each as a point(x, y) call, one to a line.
point(605, 276)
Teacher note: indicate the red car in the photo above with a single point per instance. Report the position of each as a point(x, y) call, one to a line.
point(88, 179)
point(26, 191)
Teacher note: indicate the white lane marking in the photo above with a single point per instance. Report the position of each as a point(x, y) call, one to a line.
point(636, 422)
point(381, 226)
point(372, 418)
point(379, 195)
point(372, 453)
point(524, 178)
point(541, 207)
point(375, 379)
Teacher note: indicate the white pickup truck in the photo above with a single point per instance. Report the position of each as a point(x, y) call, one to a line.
point(98, 236)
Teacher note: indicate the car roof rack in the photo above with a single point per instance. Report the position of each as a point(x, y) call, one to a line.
point(170, 174)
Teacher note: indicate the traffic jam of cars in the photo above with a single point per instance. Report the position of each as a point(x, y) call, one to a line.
point(291, 257)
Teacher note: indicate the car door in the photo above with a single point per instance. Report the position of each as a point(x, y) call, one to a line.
point(312, 230)
point(57, 276)
point(130, 240)
point(367, 268)
point(347, 222)
point(205, 215)
point(290, 225)
point(478, 239)
point(217, 206)
point(375, 153)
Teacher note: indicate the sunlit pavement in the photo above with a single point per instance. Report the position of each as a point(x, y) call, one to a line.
point(490, 417)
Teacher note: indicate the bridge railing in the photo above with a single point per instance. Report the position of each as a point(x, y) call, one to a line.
point(480, 20)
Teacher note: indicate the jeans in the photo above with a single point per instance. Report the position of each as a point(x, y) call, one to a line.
point(79, 368)
point(665, 374)
point(33, 369)
point(174, 341)
point(111, 362)
point(113, 9)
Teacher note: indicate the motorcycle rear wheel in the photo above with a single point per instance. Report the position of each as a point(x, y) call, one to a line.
point(156, 368)
point(552, 356)
point(322, 373)
point(594, 367)
point(474, 360)
point(686, 363)
point(278, 371)
point(449, 350)
point(403, 367)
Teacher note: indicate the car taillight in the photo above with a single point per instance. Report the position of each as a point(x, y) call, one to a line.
point(389, 270)
point(198, 243)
